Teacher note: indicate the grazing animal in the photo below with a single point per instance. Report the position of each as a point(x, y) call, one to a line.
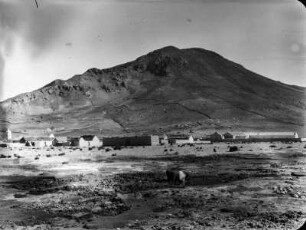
point(175, 177)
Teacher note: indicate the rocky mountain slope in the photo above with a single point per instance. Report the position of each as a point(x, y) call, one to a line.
point(167, 89)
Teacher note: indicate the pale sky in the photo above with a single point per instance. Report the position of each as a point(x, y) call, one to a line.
point(62, 38)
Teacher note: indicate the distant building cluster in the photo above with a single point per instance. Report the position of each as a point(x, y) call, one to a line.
point(254, 136)
point(89, 141)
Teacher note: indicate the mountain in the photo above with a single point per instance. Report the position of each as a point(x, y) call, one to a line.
point(167, 89)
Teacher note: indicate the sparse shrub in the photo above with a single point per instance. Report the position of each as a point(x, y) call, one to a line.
point(48, 155)
point(289, 147)
point(36, 158)
point(65, 162)
point(297, 155)
point(117, 147)
point(107, 149)
point(114, 154)
point(61, 154)
point(272, 146)
point(18, 195)
point(233, 149)
point(100, 147)
point(159, 208)
point(275, 165)
point(176, 153)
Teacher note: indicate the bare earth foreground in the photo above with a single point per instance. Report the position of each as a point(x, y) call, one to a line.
point(260, 186)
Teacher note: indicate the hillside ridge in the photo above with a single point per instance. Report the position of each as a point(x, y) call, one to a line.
point(166, 89)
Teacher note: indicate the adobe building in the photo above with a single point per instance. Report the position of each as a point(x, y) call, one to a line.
point(60, 141)
point(147, 140)
point(215, 137)
point(180, 139)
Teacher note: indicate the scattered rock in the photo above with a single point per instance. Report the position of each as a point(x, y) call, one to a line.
point(233, 149)
point(90, 226)
point(19, 195)
point(298, 174)
point(96, 209)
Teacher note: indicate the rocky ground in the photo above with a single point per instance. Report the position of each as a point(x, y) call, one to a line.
point(259, 186)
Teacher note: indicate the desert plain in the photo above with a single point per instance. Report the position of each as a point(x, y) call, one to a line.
point(260, 186)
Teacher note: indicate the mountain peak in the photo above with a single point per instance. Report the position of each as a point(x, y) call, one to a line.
point(165, 51)
point(168, 49)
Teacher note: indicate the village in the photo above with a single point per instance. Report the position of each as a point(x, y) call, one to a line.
point(92, 141)
point(121, 182)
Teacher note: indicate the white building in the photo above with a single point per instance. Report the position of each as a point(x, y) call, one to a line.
point(40, 142)
point(303, 139)
point(272, 135)
point(6, 134)
point(201, 141)
point(86, 141)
